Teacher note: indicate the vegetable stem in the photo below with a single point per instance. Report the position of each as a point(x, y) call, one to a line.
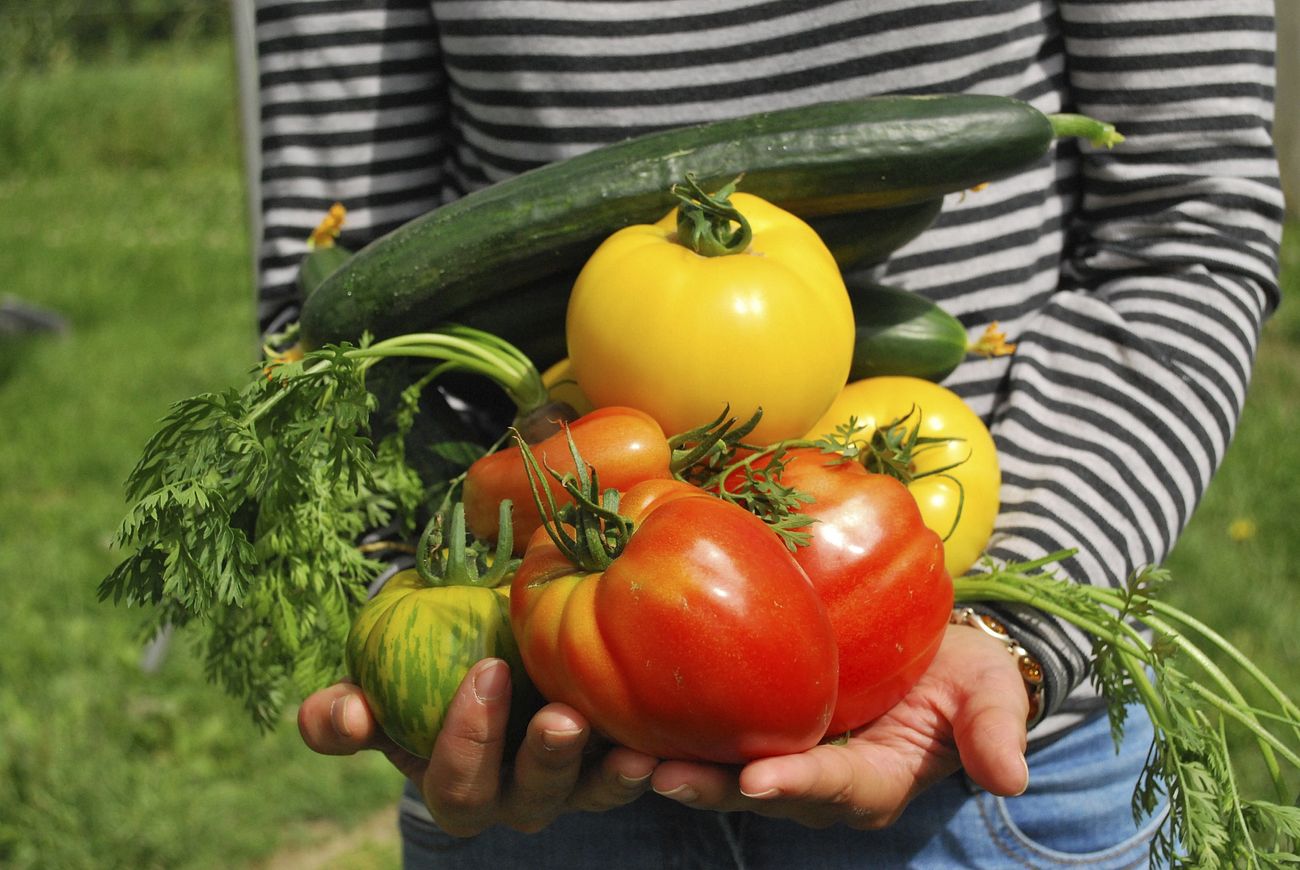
point(592, 533)
point(444, 559)
point(1099, 133)
point(469, 350)
point(1238, 658)
point(704, 221)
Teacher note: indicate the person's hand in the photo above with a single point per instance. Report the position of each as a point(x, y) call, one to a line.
point(967, 711)
point(553, 772)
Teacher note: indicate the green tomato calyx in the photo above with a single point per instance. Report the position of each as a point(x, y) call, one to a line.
point(892, 450)
point(590, 532)
point(444, 558)
point(705, 221)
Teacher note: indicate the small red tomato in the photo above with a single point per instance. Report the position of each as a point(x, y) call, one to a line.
point(624, 445)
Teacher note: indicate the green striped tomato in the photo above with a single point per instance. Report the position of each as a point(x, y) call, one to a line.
point(412, 644)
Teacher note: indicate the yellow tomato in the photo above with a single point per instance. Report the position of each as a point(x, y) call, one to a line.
point(655, 325)
point(971, 485)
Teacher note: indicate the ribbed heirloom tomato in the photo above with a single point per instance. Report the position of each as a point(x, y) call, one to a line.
point(682, 325)
point(880, 573)
point(701, 639)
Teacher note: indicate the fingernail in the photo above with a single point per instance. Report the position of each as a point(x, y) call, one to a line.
point(760, 795)
point(339, 714)
point(683, 794)
point(555, 739)
point(491, 681)
point(1024, 787)
point(633, 782)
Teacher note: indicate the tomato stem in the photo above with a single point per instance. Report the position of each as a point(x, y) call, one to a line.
point(892, 449)
point(704, 221)
point(447, 560)
point(598, 532)
point(705, 445)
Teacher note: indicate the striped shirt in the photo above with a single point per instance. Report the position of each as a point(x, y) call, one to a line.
point(1134, 281)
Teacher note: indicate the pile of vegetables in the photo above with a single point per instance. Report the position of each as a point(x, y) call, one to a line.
point(736, 536)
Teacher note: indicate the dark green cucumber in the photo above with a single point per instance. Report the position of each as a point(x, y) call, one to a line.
point(903, 333)
point(532, 319)
point(319, 264)
point(859, 239)
point(816, 160)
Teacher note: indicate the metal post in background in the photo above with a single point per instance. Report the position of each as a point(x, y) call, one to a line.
point(244, 36)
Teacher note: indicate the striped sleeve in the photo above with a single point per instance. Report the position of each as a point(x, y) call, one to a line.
point(1126, 386)
point(353, 110)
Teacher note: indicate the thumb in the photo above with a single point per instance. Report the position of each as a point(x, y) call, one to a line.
point(337, 721)
point(989, 726)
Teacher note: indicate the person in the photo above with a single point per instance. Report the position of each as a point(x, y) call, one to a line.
point(1134, 283)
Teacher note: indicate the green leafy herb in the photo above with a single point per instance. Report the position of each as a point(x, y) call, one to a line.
point(248, 507)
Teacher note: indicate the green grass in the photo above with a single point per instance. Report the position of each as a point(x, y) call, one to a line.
point(124, 210)
point(1246, 586)
point(1249, 583)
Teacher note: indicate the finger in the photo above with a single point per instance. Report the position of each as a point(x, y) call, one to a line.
point(337, 721)
point(705, 786)
point(546, 768)
point(829, 784)
point(817, 788)
point(989, 729)
point(621, 776)
point(987, 713)
point(462, 783)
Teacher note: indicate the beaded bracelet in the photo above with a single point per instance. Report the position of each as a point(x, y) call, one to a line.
point(1031, 671)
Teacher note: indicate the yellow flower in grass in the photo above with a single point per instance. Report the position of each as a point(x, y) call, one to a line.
point(1242, 529)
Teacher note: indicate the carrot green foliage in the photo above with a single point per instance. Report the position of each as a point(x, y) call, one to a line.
point(1149, 652)
point(248, 507)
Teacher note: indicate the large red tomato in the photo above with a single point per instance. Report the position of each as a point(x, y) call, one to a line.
point(626, 445)
point(881, 574)
point(702, 639)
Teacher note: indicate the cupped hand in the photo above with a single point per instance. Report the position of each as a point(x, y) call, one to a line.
point(967, 711)
point(468, 782)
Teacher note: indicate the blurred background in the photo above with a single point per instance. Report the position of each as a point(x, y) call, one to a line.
point(126, 284)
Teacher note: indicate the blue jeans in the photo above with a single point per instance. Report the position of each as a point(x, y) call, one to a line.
point(1076, 814)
